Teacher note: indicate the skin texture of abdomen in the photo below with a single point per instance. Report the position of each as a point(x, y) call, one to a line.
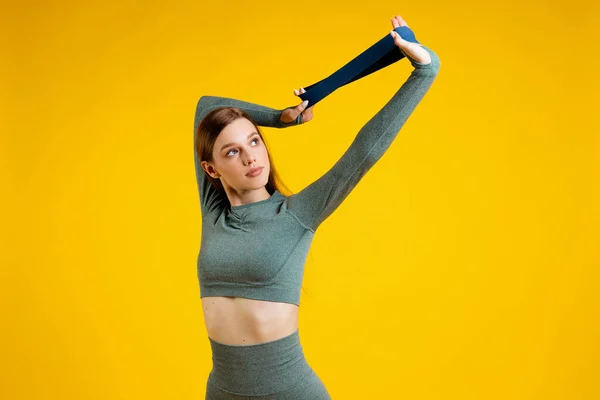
point(241, 321)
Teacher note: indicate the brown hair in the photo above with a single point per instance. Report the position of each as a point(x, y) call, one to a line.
point(206, 135)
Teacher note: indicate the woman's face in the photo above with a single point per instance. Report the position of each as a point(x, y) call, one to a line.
point(238, 149)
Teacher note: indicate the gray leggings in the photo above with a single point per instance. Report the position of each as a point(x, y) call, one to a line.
point(267, 371)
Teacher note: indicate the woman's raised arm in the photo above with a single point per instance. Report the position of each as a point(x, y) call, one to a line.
point(262, 115)
point(318, 200)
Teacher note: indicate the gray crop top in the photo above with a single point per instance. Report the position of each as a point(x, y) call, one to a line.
point(258, 250)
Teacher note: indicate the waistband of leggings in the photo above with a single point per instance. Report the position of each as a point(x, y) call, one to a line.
point(258, 369)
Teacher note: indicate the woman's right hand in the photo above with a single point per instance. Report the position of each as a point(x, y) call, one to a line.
point(290, 114)
point(412, 50)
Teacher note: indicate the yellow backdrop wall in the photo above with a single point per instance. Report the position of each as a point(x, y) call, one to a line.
point(463, 266)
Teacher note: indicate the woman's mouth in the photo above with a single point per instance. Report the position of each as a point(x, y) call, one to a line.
point(254, 172)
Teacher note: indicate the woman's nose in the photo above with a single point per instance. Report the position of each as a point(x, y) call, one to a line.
point(250, 159)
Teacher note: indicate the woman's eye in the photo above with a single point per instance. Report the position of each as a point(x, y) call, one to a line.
point(229, 152)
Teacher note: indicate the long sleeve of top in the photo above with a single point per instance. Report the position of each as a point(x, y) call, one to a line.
point(258, 250)
point(317, 201)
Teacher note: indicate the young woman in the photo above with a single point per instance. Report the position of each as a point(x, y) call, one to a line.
point(255, 239)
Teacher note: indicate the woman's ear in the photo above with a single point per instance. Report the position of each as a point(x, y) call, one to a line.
point(210, 170)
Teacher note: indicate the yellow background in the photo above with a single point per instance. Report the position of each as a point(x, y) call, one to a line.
point(463, 266)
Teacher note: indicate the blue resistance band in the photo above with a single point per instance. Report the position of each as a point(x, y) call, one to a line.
point(380, 55)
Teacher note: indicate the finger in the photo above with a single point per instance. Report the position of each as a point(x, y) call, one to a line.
point(302, 106)
point(395, 23)
point(296, 92)
point(398, 40)
point(400, 20)
point(307, 115)
point(302, 90)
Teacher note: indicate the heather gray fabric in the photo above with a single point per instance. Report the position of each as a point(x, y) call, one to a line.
point(258, 250)
point(268, 371)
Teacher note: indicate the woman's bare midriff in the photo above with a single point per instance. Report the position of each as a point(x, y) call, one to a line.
point(241, 321)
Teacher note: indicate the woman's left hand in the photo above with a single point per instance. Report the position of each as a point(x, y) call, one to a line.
point(290, 114)
point(410, 49)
